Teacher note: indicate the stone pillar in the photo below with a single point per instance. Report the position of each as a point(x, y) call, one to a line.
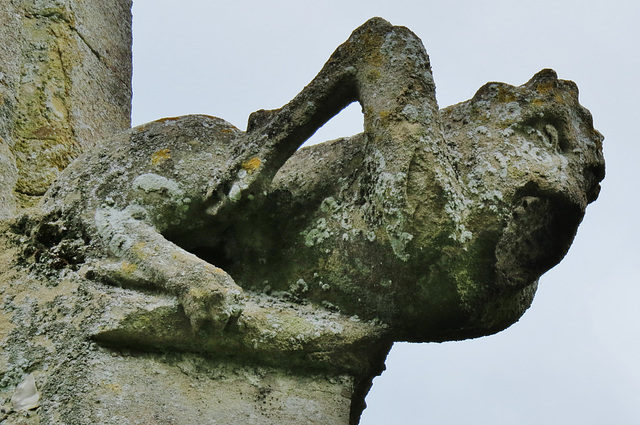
point(65, 82)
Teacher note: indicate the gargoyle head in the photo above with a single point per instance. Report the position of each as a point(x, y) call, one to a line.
point(535, 158)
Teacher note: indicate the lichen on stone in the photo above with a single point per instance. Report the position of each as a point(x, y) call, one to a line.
point(189, 249)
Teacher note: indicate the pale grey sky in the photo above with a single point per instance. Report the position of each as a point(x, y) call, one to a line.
point(574, 356)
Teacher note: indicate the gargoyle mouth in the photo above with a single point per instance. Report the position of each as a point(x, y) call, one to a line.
point(594, 175)
point(536, 237)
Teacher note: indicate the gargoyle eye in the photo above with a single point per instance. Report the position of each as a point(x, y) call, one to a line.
point(556, 137)
point(552, 132)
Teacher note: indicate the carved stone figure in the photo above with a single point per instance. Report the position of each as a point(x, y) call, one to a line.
point(444, 224)
point(431, 225)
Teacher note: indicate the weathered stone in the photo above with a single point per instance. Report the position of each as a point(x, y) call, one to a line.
point(456, 232)
point(184, 270)
point(65, 82)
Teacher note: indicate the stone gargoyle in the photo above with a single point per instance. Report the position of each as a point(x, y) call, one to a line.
point(431, 225)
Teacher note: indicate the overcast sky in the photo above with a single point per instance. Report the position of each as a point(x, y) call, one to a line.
point(574, 357)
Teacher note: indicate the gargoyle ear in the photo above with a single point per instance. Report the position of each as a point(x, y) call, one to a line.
point(260, 118)
point(545, 78)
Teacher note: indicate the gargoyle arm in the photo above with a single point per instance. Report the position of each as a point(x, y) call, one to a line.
point(383, 67)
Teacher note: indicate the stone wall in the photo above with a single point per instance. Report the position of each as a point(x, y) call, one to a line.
point(65, 82)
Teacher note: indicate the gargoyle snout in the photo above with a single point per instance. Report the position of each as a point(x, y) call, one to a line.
point(594, 171)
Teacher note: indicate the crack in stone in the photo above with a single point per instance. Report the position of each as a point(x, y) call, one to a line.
point(89, 46)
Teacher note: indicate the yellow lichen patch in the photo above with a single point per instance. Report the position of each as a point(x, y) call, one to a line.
point(373, 75)
point(384, 114)
point(160, 156)
point(545, 87)
point(198, 293)
point(116, 388)
point(251, 165)
point(128, 267)
point(372, 42)
point(506, 96)
point(167, 119)
point(139, 250)
point(215, 269)
point(537, 102)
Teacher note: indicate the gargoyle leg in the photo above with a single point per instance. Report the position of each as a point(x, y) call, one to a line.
point(143, 257)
